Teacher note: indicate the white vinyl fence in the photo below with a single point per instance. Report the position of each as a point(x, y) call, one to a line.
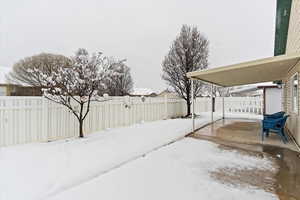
point(251, 105)
point(33, 119)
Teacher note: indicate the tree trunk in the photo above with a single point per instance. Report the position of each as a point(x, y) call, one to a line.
point(81, 129)
point(188, 104)
point(81, 121)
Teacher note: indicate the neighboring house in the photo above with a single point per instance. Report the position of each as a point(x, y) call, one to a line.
point(8, 89)
point(168, 94)
point(3, 84)
point(143, 92)
point(283, 68)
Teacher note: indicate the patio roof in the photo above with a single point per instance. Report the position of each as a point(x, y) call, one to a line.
point(257, 71)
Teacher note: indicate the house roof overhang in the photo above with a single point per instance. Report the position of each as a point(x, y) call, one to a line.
point(257, 71)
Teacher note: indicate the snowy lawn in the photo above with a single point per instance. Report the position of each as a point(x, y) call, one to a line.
point(178, 171)
point(42, 170)
point(36, 171)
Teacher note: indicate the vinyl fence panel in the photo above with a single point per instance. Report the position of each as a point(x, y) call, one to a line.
point(36, 119)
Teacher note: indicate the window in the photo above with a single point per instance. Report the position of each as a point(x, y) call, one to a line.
point(294, 87)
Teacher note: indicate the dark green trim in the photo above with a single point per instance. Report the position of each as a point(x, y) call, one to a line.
point(283, 11)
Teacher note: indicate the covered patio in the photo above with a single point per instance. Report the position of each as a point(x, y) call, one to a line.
point(257, 71)
point(241, 133)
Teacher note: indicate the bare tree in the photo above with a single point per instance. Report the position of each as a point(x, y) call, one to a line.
point(219, 91)
point(122, 83)
point(188, 52)
point(224, 91)
point(76, 86)
point(45, 62)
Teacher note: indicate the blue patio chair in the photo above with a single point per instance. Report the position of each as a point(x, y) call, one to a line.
point(274, 126)
point(274, 115)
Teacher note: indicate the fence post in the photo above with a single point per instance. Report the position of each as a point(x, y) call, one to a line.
point(166, 106)
point(45, 111)
point(126, 100)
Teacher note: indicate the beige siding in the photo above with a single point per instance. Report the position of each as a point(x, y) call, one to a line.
point(293, 46)
point(293, 43)
point(293, 123)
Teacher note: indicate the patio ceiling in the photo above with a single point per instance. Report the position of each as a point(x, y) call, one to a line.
point(257, 71)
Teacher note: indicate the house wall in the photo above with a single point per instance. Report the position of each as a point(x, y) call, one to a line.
point(293, 123)
point(293, 41)
point(273, 100)
point(27, 91)
point(15, 90)
point(293, 46)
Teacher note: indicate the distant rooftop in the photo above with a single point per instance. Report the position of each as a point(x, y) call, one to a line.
point(251, 87)
point(143, 91)
point(3, 72)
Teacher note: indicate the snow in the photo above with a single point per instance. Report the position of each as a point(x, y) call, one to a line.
point(142, 91)
point(87, 75)
point(49, 168)
point(3, 72)
point(178, 171)
point(111, 164)
point(250, 88)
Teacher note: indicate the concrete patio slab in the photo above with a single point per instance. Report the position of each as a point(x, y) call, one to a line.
point(241, 131)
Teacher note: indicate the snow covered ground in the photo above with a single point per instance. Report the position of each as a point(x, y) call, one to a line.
point(34, 171)
point(178, 171)
point(44, 170)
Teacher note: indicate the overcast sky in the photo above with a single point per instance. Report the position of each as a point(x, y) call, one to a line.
point(139, 30)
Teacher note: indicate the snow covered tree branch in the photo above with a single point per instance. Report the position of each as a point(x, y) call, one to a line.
point(188, 52)
point(75, 86)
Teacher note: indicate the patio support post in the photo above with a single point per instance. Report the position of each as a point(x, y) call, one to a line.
point(223, 108)
point(212, 103)
point(193, 104)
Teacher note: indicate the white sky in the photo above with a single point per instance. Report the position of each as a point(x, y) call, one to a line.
point(140, 31)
